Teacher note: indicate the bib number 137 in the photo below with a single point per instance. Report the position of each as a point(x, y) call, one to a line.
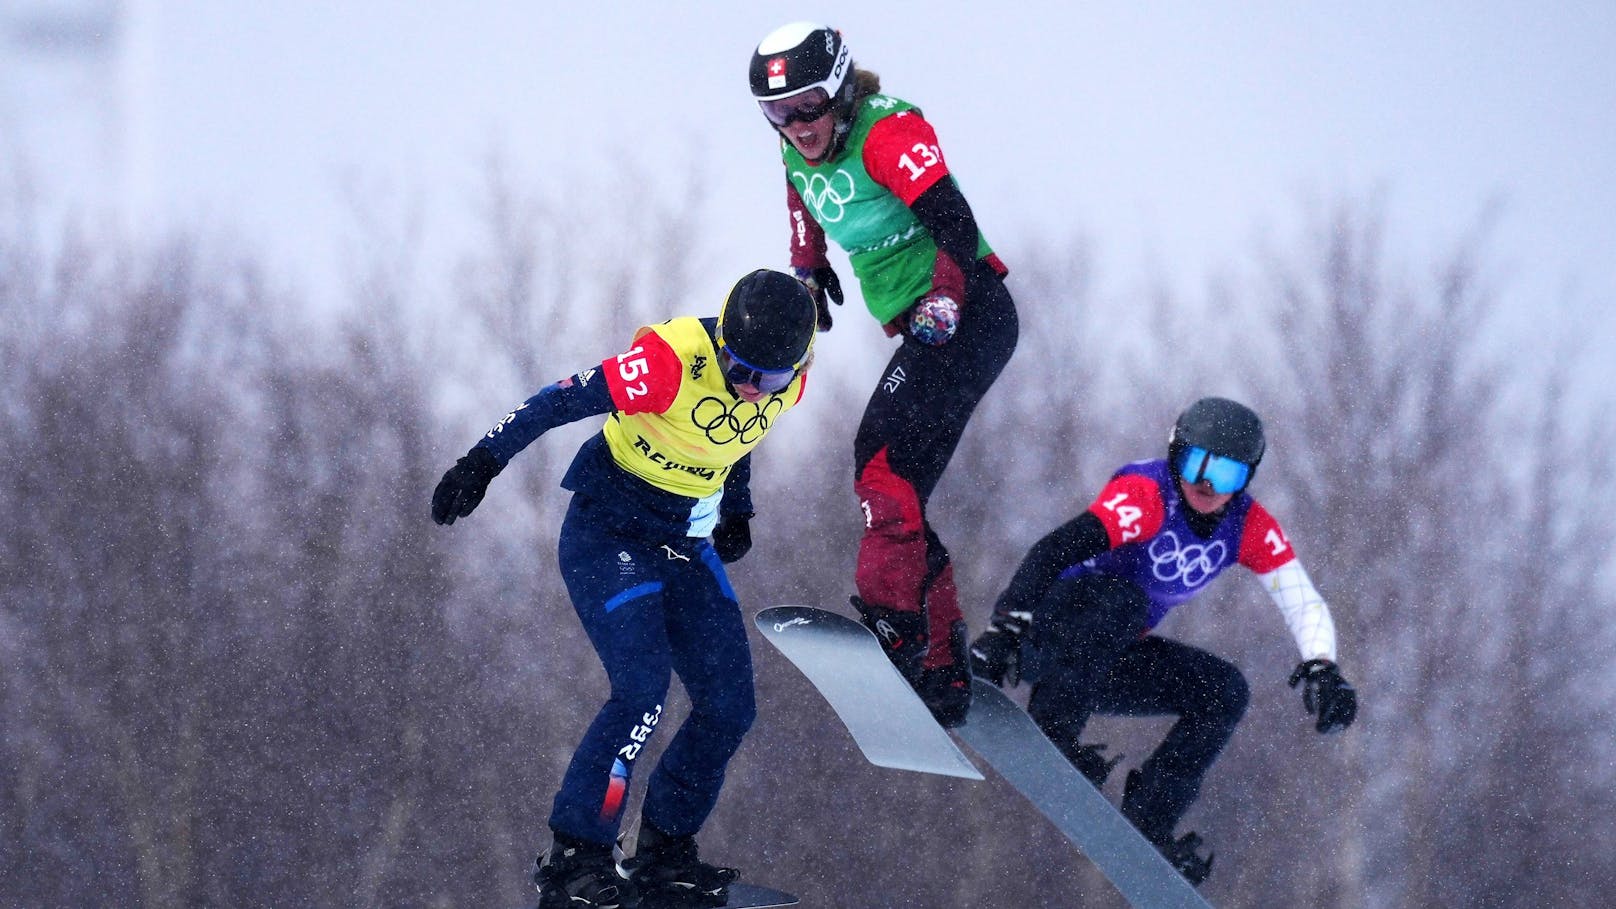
point(927, 155)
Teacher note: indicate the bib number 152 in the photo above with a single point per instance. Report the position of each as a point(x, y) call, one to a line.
point(631, 365)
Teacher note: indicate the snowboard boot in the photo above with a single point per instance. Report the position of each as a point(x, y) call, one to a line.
point(576, 874)
point(666, 868)
point(1181, 853)
point(902, 635)
point(1090, 760)
point(1064, 732)
point(946, 689)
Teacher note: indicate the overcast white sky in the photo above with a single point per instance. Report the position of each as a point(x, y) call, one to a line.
point(1168, 133)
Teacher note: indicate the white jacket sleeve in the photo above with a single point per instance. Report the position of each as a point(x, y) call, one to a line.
point(1306, 614)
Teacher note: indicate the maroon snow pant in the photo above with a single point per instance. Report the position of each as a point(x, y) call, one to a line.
point(908, 434)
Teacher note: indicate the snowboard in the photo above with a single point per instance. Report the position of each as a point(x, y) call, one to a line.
point(844, 660)
point(1004, 736)
point(741, 896)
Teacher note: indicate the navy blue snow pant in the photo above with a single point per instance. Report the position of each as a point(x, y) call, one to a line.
point(1094, 657)
point(652, 606)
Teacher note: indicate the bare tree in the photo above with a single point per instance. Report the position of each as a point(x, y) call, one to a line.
point(239, 666)
point(1397, 470)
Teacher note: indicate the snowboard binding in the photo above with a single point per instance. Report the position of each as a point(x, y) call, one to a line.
point(1090, 760)
point(902, 635)
point(1183, 856)
point(669, 874)
point(576, 874)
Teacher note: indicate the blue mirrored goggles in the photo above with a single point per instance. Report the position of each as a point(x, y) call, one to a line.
point(740, 372)
point(1225, 474)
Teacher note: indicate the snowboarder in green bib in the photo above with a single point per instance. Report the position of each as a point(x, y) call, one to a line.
point(865, 170)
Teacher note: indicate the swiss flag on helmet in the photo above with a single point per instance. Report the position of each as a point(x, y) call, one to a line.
point(777, 72)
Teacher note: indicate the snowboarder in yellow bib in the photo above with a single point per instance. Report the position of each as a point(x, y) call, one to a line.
point(661, 502)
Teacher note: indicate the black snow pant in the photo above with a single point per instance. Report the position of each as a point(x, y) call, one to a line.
point(906, 437)
point(1094, 657)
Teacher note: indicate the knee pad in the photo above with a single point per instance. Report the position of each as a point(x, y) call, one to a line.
point(890, 503)
point(892, 566)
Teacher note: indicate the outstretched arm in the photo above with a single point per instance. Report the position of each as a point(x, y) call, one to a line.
point(645, 378)
point(464, 485)
point(1325, 693)
point(573, 398)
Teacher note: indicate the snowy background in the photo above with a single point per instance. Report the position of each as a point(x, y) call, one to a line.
point(1169, 134)
point(265, 273)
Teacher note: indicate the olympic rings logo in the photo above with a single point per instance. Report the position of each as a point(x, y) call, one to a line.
point(1194, 564)
point(828, 195)
point(724, 424)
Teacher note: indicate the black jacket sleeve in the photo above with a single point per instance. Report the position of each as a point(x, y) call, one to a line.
point(555, 405)
point(1078, 540)
point(738, 488)
point(942, 209)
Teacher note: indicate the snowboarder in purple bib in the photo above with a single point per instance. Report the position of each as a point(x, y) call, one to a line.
point(1078, 615)
point(865, 169)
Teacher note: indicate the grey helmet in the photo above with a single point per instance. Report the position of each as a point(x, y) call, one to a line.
point(1222, 427)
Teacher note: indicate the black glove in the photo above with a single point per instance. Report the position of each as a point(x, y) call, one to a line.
point(463, 485)
point(996, 655)
point(1326, 694)
point(821, 283)
point(733, 536)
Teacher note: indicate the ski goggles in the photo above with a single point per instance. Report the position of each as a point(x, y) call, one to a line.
point(739, 372)
point(1225, 474)
point(805, 107)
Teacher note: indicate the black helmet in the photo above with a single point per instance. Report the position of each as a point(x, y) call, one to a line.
point(797, 57)
point(1222, 427)
point(768, 322)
